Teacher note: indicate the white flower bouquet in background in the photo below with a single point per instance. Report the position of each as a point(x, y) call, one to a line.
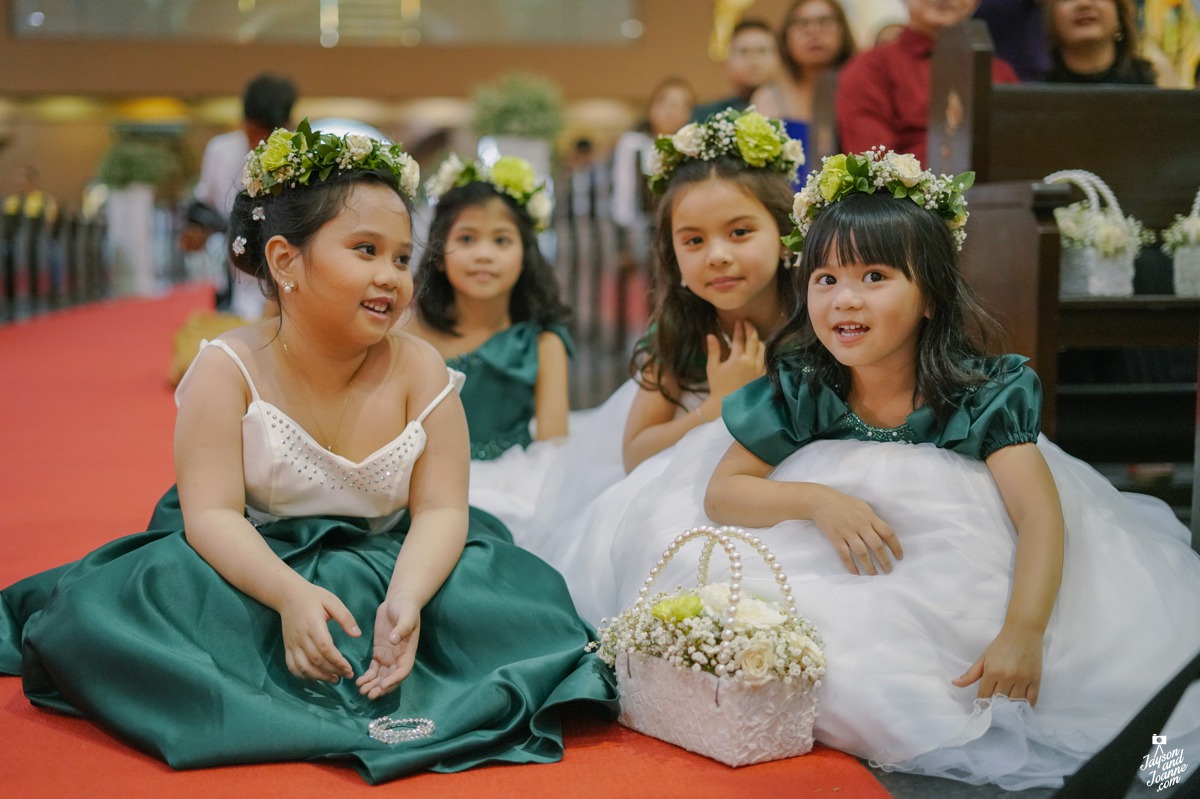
point(1099, 242)
point(713, 670)
point(1182, 241)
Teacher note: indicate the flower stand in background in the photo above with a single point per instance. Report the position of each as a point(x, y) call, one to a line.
point(719, 673)
point(1099, 243)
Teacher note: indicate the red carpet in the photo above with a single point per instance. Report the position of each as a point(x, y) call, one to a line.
point(87, 420)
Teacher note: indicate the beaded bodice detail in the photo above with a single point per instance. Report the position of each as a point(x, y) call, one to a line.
point(289, 474)
point(866, 432)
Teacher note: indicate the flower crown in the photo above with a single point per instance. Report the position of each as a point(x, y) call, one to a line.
point(758, 140)
point(901, 175)
point(509, 175)
point(296, 158)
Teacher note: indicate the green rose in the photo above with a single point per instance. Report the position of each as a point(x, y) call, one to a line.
point(514, 176)
point(757, 140)
point(277, 150)
point(678, 608)
point(833, 174)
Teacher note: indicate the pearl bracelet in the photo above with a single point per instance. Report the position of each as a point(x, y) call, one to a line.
point(395, 731)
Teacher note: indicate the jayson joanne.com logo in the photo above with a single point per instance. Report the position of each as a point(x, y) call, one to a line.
point(1163, 767)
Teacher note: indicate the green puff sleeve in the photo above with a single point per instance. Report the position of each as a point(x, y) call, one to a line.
point(1006, 410)
point(773, 425)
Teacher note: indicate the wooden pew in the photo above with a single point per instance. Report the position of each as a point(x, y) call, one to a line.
point(1142, 141)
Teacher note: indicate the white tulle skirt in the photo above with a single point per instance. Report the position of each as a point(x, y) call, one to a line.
point(533, 490)
point(1125, 621)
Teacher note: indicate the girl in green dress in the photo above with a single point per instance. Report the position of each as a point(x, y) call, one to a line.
point(317, 587)
point(721, 285)
point(488, 302)
point(994, 610)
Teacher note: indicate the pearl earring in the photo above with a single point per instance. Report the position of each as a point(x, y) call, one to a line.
point(288, 285)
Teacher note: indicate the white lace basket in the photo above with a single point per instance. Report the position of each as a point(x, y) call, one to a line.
point(1086, 270)
point(1187, 260)
point(716, 716)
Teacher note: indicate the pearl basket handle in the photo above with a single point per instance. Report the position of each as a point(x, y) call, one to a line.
point(1092, 186)
point(726, 538)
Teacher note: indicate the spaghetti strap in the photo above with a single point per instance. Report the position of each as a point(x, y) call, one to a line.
point(457, 378)
point(228, 351)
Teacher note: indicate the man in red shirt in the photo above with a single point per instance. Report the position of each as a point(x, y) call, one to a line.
point(883, 93)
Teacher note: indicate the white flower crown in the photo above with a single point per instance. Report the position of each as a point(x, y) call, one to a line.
point(509, 175)
point(287, 159)
point(880, 169)
point(758, 140)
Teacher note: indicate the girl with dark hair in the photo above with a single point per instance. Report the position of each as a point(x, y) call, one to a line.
point(322, 471)
point(488, 301)
point(965, 572)
point(720, 278)
point(721, 288)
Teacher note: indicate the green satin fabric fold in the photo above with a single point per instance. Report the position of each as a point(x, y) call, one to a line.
point(146, 638)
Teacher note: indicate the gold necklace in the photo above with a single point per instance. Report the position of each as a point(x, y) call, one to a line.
point(308, 399)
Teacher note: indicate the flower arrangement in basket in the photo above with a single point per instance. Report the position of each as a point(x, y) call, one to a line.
point(1182, 241)
point(720, 673)
point(1099, 243)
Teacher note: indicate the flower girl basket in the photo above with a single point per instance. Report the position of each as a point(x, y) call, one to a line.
point(1182, 241)
point(752, 697)
point(1099, 243)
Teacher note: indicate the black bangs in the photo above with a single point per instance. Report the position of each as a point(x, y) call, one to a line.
point(875, 229)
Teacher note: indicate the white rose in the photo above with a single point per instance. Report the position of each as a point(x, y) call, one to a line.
point(793, 151)
point(358, 145)
point(756, 663)
point(1112, 235)
point(906, 167)
point(752, 613)
point(689, 139)
point(410, 176)
point(654, 163)
point(1190, 228)
point(715, 597)
point(539, 207)
point(801, 204)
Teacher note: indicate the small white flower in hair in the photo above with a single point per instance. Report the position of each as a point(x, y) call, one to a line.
point(239, 245)
point(258, 214)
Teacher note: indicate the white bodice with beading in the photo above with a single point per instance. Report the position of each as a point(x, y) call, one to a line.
point(288, 474)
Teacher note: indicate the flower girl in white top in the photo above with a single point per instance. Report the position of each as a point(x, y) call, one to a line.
point(320, 551)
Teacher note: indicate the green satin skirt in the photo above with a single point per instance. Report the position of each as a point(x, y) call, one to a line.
point(144, 637)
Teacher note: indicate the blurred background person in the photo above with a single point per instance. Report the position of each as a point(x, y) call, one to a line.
point(814, 39)
point(752, 60)
point(669, 109)
point(267, 103)
point(1018, 32)
point(1095, 41)
point(883, 93)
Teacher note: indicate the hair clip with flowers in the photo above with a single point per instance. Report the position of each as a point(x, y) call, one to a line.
point(758, 140)
point(303, 156)
point(509, 175)
point(901, 175)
